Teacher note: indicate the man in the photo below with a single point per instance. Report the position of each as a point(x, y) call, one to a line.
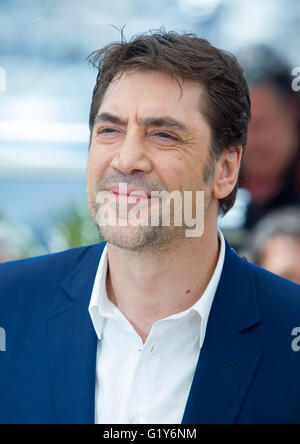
point(275, 243)
point(272, 159)
point(155, 326)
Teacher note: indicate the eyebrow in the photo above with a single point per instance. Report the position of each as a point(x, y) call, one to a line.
point(159, 122)
point(164, 121)
point(109, 118)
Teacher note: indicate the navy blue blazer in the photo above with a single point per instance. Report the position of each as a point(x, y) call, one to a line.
point(247, 372)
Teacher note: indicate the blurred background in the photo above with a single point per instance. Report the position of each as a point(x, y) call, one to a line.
point(45, 92)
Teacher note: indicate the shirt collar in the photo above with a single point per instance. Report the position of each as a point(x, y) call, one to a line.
point(101, 307)
point(204, 303)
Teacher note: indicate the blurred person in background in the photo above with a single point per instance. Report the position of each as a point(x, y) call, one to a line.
point(275, 243)
point(271, 163)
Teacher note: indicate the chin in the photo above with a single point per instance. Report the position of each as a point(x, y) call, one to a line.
point(139, 238)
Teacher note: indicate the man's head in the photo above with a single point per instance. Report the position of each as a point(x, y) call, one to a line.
point(273, 137)
point(275, 243)
point(169, 112)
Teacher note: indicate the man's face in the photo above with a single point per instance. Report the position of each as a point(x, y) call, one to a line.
point(272, 134)
point(149, 134)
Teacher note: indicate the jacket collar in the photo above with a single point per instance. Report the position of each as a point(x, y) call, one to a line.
point(73, 344)
point(225, 368)
point(227, 363)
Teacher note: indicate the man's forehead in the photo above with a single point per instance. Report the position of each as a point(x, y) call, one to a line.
point(155, 120)
point(157, 84)
point(151, 94)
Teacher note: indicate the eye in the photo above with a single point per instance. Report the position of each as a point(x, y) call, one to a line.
point(167, 136)
point(107, 130)
point(107, 134)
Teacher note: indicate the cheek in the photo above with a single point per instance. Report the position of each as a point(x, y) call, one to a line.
point(96, 166)
point(170, 170)
point(91, 170)
point(178, 172)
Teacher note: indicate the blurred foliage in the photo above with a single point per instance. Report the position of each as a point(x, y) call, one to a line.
point(17, 241)
point(74, 228)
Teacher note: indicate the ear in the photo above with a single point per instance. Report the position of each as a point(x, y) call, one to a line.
point(227, 172)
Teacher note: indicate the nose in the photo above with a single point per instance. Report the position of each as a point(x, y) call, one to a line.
point(131, 156)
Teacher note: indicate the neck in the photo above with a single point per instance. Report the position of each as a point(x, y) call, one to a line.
point(147, 287)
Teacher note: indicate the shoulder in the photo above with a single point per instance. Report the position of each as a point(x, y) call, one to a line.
point(276, 296)
point(46, 271)
point(274, 286)
point(36, 265)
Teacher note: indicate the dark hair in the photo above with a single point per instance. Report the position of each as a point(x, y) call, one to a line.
point(262, 64)
point(226, 104)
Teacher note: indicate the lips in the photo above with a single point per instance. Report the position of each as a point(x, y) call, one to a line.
point(128, 191)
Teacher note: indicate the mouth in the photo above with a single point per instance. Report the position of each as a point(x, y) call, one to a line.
point(129, 193)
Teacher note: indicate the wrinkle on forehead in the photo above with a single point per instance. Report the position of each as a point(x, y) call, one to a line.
point(178, 82)
point(159, 94)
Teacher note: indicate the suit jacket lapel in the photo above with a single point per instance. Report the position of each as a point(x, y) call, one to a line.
point(225, 369)
point(227, 362)
point(73, 344)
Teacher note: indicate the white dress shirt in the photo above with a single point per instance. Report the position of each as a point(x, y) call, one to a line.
point(146, 383)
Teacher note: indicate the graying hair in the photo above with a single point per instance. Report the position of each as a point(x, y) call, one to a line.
point(285, 221)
